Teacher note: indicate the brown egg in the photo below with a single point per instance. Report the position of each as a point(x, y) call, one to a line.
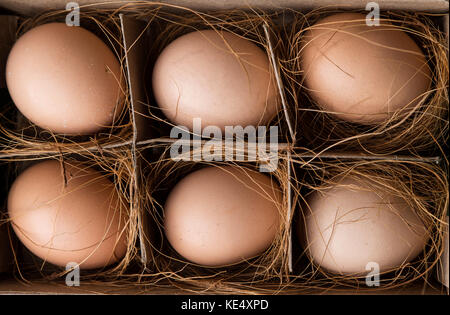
point(353, 224)
point(217, 76)
point(362, 73)
point(220, 216)
point(80, 221)
point(65, 79)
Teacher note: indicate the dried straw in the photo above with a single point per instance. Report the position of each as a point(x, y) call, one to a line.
point(325, 149)
point(420, 131)
point(20, 137)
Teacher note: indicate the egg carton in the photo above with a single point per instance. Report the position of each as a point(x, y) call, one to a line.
point(135, 57)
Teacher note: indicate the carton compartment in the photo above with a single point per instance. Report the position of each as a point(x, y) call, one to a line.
point(421, 184)
point(160, 27)
point(20, 136)
point(159, 177)
point(419, 131)
point(29, 267)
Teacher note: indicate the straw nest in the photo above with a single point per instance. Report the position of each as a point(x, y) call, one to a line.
point(423, 185)
point(306, 165)
point(160, 177)
point(164, 26)
point(20, 137)
point(419, 131)
point(118, 167)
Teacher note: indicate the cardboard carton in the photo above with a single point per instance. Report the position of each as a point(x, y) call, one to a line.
point(136, 48)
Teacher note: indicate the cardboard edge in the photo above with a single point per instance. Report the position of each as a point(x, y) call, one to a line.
point(8, 27)
point(287, 119)
point(289, 163)
point(27, 7)
point(443, 269)
point(279, 82)
point(6, 259)
point(131, 29)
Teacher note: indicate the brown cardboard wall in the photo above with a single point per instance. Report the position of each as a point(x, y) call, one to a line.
point(33, 7)
point(135, 57)
point(5, 257)
point(8, 25)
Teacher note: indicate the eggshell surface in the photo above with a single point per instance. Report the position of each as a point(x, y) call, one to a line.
point(217, 76)
point(352, 224)
point(364, 74)
point(65, 79)
point(73, 218)
point(221, 216)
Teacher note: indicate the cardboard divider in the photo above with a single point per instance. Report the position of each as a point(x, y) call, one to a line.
point(292, 139)
point(8, 26)
point(135, 56)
